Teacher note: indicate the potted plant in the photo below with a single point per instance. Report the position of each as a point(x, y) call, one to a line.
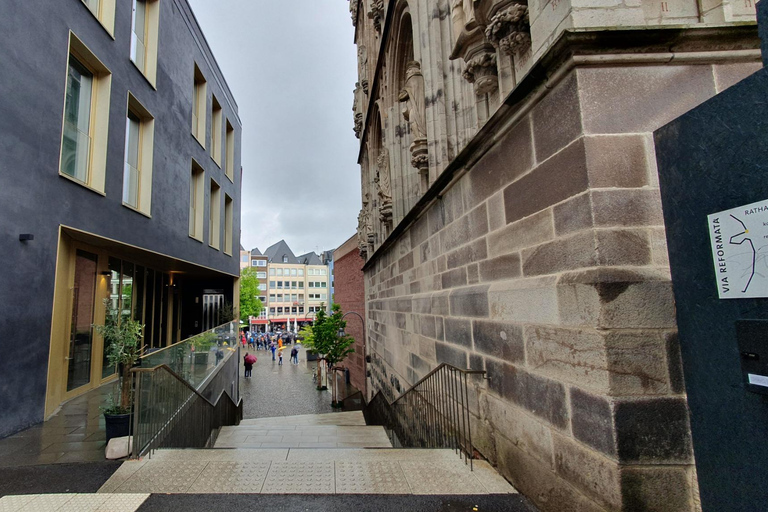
point(307, 342)
point(122, 342)
point(202, 344)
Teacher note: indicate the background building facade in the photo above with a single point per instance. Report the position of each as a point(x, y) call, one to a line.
point(122, 162)
point(511, 222)
point(350, 295)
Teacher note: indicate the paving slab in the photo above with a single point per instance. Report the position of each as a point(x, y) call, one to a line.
point(74, 502)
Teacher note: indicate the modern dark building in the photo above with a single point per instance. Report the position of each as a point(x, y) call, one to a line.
point(120, 183)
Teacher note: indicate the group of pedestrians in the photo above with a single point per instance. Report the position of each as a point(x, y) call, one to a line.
point(273, 342)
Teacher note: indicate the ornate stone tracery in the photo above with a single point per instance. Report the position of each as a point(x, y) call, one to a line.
point(415, 113)
point(362, 62)
point(357, 108)
point(482, 72)
point(364, 227)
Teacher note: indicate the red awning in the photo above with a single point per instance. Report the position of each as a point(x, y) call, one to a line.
point(260, 322)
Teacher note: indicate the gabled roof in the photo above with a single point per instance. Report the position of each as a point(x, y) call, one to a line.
point(311, 258)
point(276, 252)
point(241, 248)
point(255, 252)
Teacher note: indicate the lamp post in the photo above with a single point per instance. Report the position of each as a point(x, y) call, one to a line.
point(341, 334)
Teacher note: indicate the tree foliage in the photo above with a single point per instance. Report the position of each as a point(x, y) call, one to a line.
point(325, 335)
point(250, 305)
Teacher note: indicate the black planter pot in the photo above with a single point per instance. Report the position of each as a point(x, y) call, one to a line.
point(311, 356)
point(117, 425)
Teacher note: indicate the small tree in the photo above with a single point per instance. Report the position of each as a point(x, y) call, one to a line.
point(122, 339)
point(250, 305)
point(326, 339)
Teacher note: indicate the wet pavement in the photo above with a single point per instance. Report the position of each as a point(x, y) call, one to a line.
point(285, 390)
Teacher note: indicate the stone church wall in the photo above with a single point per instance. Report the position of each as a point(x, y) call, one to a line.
point(535, 248)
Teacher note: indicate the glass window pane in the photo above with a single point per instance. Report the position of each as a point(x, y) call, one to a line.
point(77, 120)
point(131, 171)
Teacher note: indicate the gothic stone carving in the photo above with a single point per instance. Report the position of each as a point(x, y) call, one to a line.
point(471, 46)
point(482, 72)
point(364, 227)
point(509, 29)
point(353, 11)
point(384, 187)
point(376, 14)
point(357, 108)
point(362, 61)
point(415, 113)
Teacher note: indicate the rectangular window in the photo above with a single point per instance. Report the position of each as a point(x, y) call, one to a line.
point(262, 287)
point(279, 297)
point(228, 221)
point(279, 271)
point(139, 143)
point(301, 272)
point(272, 272)
point(86, 118)
point(279, 285)
point(230, 163)
point(271, 296)
point(301, 309)
point(261, 263)
point(293, 285)
point(272, 284)
point(323, 296)
point(261, 275)
point(271, 311)
point(253, 263)
point(293, 272)
point(214, 216)
point(301, 285)
point(216, 128)
point(294, 297)
point(146, 14)
point(199, 100)
point(196, 196)
point(310, 271)
point(311, 284)
point(104, 10)
point(279, 310)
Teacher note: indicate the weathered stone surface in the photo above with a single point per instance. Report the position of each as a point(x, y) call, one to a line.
point(730, 74)
point(675, 363)
point(524, 233)
point(427, 326)
point(453, 204)
point(472, 301)
point(502, 267)
point(557, 119)
point(435, 219)
point(496, 217)
point(476, 362)
point(536, 480)
point(470, 253)
point(419, 232)
point(507, 160)
point(576, 251)
point(656, 489)
point(455, 234)
point(450, 354)
point(478, 221)
point(458, 331)
point(636, 363)
point(596, 475)
point(642, 98)
point(473, 273)
point(440, 304)
point(453, 278)
point(617, 160)
point(627, 207)
point(592, 421)
point(659, 252)
point(573, 215)
point(524, 301)
point(521, 429)
point(565, 175)
point(439, 328)
point(405, 263)
point(499, 339)
point(653, 431)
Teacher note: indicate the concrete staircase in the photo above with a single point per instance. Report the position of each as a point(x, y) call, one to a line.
point(313, 454)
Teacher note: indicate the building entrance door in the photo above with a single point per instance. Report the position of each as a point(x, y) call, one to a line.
point(81, 332)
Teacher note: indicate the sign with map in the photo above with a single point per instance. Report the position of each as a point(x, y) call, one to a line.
point(739, 239)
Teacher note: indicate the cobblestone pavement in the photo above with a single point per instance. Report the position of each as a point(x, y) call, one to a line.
point(285, 390)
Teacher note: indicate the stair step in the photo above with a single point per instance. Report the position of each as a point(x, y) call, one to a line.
point(299, 436)
point(351, 418)
point(302, 471)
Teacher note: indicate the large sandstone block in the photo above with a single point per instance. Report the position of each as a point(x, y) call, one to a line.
point(617, 298)
point(501, 267)
point(573, 215)
point(524, 233)
point(556, 119)
point(617, 160)
point(521, 429)
point(658, 489)
point(499, 339)
point(524, 301)
point(595, 475)
point(564, 175)
point(471, 301)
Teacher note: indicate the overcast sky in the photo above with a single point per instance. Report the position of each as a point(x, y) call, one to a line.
point(291, 66)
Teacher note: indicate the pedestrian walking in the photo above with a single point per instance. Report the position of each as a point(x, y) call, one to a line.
point(248, 361)
point(280, 357)
point(295, 355)
point(273, 348)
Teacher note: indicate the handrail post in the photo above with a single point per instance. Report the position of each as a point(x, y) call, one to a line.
point(136, 411)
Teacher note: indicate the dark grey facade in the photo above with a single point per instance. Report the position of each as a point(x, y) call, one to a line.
point(35, 199)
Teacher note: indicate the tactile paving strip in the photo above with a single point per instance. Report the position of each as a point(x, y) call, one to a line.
point(440, 478)
point(300, 478)
point(231, 477)
point(383, 477)
point(163, 477)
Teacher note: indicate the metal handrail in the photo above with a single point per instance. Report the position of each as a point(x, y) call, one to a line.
point(169, 411)
point(432, 413)
point(186, 340)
